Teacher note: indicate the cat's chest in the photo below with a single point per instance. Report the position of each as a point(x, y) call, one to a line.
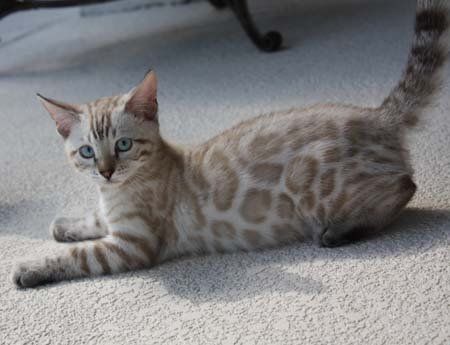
point(115, 204)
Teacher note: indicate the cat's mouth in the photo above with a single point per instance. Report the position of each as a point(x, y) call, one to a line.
point(112, 181)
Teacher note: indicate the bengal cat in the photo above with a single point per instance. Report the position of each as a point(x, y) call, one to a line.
point(327, 172)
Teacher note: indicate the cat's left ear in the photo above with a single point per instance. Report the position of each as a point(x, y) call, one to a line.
point(65, 115)
point(142, 102)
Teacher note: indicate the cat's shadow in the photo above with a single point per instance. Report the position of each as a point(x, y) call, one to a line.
point(232, 277)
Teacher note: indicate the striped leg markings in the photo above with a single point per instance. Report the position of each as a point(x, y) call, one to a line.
point(116, 253)
point(131, 261)
point(139, 242)
point(101, 258)
point(83, 262)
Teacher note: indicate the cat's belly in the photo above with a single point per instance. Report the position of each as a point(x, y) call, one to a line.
point(239, 229)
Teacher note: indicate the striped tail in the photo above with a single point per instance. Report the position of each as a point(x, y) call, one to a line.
point(421, 79)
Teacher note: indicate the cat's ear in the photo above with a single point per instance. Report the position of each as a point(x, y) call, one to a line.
point(142, 102)
point(65, 115)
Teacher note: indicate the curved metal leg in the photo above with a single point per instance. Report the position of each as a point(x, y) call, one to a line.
point(268, 42)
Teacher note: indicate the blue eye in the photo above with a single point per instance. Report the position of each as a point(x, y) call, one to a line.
point(86, 151)
point(124, 144)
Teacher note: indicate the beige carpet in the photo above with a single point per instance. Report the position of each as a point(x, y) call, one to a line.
point(394, 289)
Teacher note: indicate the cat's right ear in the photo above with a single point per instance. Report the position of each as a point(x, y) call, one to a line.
point(65, 115)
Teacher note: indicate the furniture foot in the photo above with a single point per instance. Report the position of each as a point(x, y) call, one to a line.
point(268, 42)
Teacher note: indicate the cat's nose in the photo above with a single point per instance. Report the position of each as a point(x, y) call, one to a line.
point(107, 173)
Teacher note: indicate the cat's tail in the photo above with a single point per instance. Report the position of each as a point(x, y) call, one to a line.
point(421, 78)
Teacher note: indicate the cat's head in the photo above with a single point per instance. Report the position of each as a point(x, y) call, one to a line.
point(111, 138)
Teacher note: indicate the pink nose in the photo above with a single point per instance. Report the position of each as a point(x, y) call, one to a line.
point(106, 173)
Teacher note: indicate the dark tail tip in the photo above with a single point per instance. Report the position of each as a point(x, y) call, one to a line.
point(431, 20)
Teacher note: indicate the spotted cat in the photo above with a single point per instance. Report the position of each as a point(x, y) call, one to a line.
point(328, 173)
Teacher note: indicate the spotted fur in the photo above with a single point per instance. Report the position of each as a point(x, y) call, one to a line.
point(328, 172)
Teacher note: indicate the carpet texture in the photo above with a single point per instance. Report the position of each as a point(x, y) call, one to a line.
point(393, 289)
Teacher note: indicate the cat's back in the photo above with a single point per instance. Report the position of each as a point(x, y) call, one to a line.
point(259, 151)
point(284, 133)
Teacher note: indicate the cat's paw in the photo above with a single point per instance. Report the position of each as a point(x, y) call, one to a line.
point(62, 230)
point(330, 240)
point(30, 274)
point(336, 236)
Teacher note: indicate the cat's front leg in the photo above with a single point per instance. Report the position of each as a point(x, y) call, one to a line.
point(66, 229)
point(116, 252)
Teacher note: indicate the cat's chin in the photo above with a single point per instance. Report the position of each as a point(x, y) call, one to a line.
point(112, 182)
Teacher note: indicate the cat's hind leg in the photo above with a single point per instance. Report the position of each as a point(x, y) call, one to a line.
point(65, 229)
point(366, 216)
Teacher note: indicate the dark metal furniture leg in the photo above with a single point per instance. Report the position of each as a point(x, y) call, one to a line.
point(268, 42)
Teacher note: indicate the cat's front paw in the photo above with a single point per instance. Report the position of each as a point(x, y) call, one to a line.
point(31, 274)
point(62, 229)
